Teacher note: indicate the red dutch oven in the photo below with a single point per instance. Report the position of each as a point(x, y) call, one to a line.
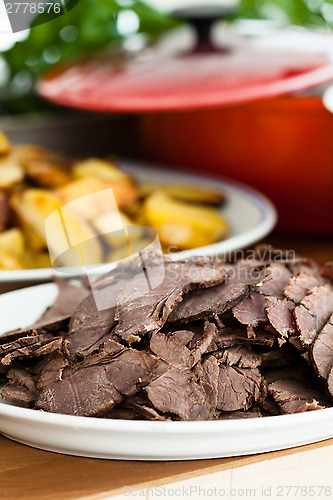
point(222, 107)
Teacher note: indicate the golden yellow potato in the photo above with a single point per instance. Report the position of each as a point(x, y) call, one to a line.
point(12, 241)
point(11, 172)
point(124, 193)
point(191, 194)
point(10, 261)
point(101, 169)
point(183, 225)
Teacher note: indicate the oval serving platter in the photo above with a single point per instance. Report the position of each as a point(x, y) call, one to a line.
point(144, 440)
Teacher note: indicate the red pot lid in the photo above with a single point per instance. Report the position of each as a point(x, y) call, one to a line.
point(206, 77)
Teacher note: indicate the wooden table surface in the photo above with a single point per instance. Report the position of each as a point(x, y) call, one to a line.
point(30, 474)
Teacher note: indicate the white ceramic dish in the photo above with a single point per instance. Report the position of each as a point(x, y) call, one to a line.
point(250, 214)
point(141, 440)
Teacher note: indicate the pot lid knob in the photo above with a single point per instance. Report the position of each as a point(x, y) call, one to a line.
point(202, 18)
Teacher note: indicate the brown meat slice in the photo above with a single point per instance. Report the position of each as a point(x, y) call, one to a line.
point(228, 337)
point(21, 388)
point(276, 281)
point(251, 310)
point(322, 350)
point(238, 388)
point(172, 351)
point(240, 356)
point(179, 393)
point(236, 415)
point(50, 369)
point(300, 286)
point(212, 301)
point(279, 314)
point(89, 326)
point(35, 350)
point(204, 344)
point(93, 391)
point(208, 374)
point(140, 313)
point(313, 312)
point(294, 397)
point(69, 297)
point(23, 342)
point(183, 336)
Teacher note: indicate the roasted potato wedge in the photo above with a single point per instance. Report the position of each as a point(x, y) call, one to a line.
point(11, 172)
point(183, 225)
point(191, 194)
point(10, 261)
point(4, 144)
point(100, 169)
point(124, 193)
point(12, 241)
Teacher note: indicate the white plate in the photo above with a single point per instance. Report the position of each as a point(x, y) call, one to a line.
point(250, 214)
point(141, 440)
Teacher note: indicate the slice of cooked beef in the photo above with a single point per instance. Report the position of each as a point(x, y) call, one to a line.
point(23, 342)
point(204, 304)
point(35, 350)
point(300, 286)
point(179, 393)
point(235, 415)
point(322, 350)
point(313, 312)
point(21, 388)
point(208, 374)
point(50, 369)
point(183, 336)
point(294, 397)
point(18, 395)
point(204, 344)
point(142, 406)
point(279, 313)
point(139, 313)
point(240, 356)
point(266, 401)
point(238, 388)
point(228, 337)
point(89, 326)
point(274, 284)
point(172, 351)
point(121, 413)
point(52, 326)
point(69, 297)
point(251, 310)
point(93, 391)
point(109, 350)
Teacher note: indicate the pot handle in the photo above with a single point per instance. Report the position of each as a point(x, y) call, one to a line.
point(202, 18)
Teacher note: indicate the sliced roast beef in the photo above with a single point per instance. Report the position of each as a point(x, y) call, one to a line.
point(251, 310)
point(21, 388)
point(208, 374)
point(50, 369)
point(179, 393)
point(294, 397)
point(94, 390)
point(35, 350)
point(207, 303)
point(322, 350)
point(235, 415)
point(89, 326)
point(300, 286)
point(238, 388)
point(327, 271)
point(279, 314)
point(69, 297)
point(140, 312)
point(313, 312)
point(172, 351)
point(228, 337)
point(240, 356)
point(278, 276)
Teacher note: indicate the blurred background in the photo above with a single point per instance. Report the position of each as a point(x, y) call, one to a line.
point(282, 146)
